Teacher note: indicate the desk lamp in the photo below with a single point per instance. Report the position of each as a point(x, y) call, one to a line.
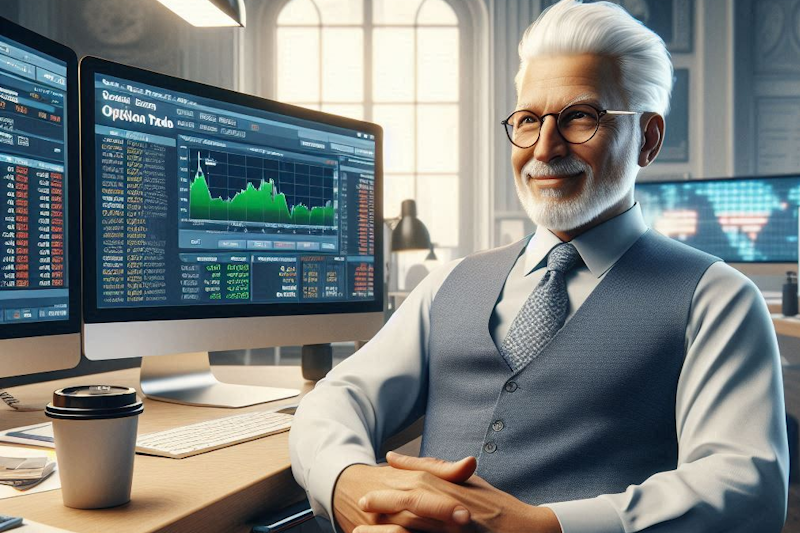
point(408, 233)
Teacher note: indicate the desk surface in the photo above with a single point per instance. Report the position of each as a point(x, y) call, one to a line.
point(223, 490)
point(789, 326)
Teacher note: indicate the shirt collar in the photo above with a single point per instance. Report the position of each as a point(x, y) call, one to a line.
point(600, 247)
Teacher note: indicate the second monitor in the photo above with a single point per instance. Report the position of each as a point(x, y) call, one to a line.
point(40, 248)
point(215, 221)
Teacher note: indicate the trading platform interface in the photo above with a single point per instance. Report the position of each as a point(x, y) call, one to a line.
point(205, 201)
point(738, 220)
point(33, 150)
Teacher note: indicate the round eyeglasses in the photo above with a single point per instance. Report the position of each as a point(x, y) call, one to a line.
point(576, 123)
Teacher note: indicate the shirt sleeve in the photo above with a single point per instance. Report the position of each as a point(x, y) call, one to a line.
point(733, 458)
point(368, 397)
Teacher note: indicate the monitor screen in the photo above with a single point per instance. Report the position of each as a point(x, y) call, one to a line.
point(740, 220)
point(212, 203)
point(34, 143)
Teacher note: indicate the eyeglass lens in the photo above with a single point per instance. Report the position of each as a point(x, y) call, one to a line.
point(577, 124)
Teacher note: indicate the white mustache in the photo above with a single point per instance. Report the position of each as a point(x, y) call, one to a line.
point(569, 166)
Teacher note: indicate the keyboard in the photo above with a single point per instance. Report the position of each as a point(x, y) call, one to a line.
point(185, 441)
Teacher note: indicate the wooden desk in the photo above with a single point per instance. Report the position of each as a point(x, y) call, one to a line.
point(220, 491)
point(789, 326)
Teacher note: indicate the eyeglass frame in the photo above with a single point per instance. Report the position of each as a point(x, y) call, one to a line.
point(600, 114)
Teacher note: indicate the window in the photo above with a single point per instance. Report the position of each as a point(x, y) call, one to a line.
point(396, 63)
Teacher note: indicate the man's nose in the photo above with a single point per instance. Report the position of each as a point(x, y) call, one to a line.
point(551, 145)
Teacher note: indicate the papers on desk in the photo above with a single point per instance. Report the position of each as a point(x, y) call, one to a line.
point(16, 455)
point(24, 473)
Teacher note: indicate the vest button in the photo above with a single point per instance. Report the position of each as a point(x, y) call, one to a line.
point(511, 386)
point(490, 447)
point(498, 425)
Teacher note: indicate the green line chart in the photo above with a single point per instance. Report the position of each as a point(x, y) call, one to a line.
point(257, 200)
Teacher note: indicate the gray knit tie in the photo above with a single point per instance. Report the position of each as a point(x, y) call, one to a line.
point(543, 313)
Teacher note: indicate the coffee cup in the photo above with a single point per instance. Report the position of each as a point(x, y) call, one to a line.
point(95, 436)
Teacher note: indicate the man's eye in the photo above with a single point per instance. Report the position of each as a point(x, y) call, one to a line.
point(579, 116)
point(528, 119)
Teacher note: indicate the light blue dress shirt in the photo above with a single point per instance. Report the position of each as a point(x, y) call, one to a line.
point(732, 472)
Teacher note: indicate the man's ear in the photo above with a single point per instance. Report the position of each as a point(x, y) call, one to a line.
point(653, 133)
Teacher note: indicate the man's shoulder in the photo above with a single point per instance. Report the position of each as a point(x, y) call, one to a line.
point(677, 249)
point(491, 254)
point(516, 245)
point(723, 279)
point(465, 266)
point(727, 300)
point(442, 272)
point(717, 277)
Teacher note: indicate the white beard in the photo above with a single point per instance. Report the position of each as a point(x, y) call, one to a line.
point(554, 212)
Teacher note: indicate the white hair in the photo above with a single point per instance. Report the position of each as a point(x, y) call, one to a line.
point(571, 27)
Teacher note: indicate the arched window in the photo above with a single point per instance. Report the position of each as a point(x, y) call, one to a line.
point(396, 63)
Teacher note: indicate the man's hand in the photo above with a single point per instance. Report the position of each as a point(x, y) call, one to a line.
point(431, 502)
point(491, 510)
point(436, 510)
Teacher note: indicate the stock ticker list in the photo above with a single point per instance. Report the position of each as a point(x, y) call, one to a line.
point(34, 170)
point(133, 219)
point(215, 278)
point(363, 274)
point(33, 236)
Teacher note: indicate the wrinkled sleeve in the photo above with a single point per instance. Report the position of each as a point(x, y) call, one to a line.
point(365, 399)
point(733, 458)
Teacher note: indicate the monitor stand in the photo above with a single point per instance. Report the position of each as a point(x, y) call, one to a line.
point(186, 378)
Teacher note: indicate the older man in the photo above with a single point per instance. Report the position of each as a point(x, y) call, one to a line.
point(596, 377)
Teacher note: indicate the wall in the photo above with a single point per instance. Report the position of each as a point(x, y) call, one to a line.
point(767, 86)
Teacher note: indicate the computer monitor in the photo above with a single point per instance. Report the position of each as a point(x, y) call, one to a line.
point(40, 250)
point(751, 219)
point(216, 220)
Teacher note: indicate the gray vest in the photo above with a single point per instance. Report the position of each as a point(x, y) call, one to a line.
point(595, 411)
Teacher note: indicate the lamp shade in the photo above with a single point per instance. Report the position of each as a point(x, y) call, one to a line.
point(410, 233)
point(209, 13)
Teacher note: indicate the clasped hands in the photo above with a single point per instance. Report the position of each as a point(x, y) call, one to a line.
point(413, 494)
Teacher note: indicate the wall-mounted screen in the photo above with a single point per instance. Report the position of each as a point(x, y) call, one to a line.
point(740, 220)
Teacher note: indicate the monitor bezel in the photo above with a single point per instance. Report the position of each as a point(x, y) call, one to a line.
point(93, 314)
point(72, 324)
point(727, 178)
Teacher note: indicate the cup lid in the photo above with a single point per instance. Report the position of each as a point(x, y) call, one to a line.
point(92, 402)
